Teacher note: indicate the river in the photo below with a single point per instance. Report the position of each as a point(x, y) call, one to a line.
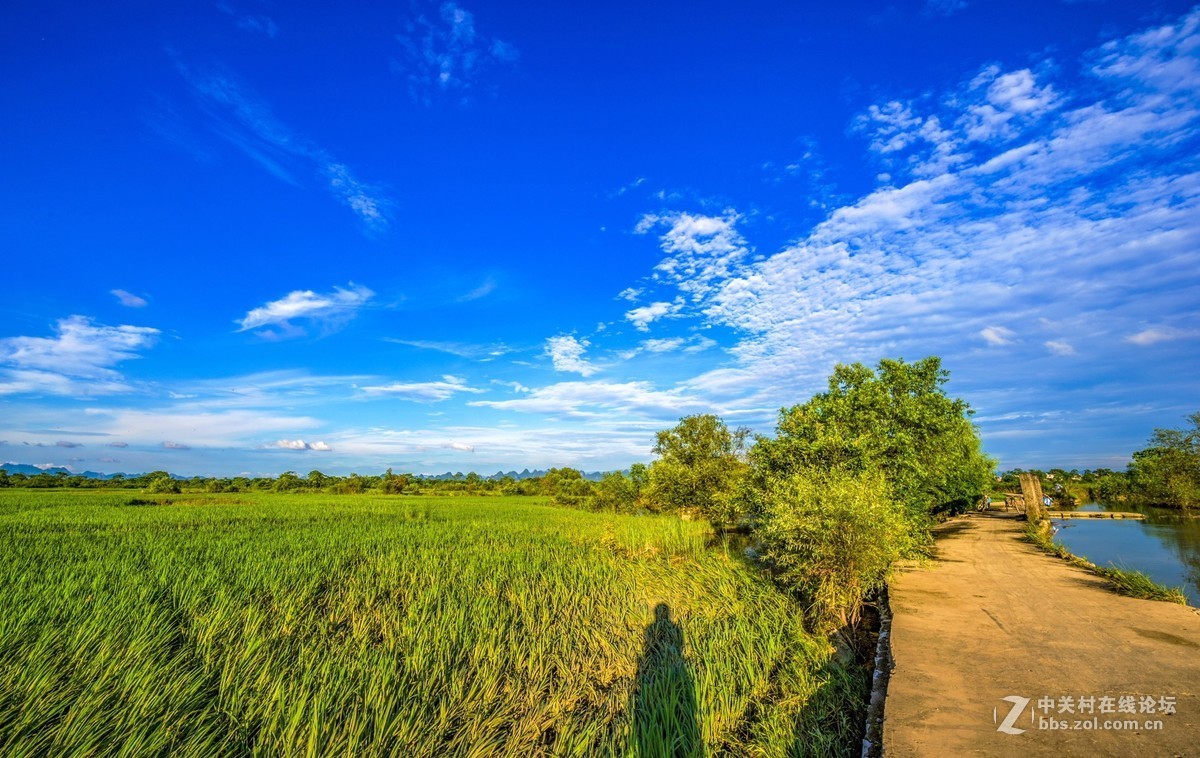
point(1166, 546)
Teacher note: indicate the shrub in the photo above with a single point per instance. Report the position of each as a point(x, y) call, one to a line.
point(163, 485)
point(833, 536)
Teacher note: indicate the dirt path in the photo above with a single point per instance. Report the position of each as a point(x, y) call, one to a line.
point(994, 617)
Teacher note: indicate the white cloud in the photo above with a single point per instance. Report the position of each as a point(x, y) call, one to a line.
point(514, 386)
point(128, 299)
point(1081, 217)
point(1159, 334)
point(302, 445)
point(78, 360)
point(601, 399)
point(424, 392)
point(594, 445)
point(630, 293)
point(664, 345)
point(642, 317)
point(699, 248)
point(175, 446)
point(566, 354)
point(997, 335)
point(214, 429)
point(1058, 347)
point(447, 54)
point(327, 308)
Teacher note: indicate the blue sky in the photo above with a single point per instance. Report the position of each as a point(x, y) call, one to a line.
point(254, 237)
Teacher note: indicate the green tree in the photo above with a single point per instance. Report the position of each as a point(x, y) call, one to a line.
point(316, 480)
point(896, 419)
point(392, 484)
point(699, 466)
point(1168, 471)
point(615, 492)
point(163, 485)
point(287, 482)
point(567, 486)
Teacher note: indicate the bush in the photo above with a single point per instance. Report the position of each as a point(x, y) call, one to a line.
point(615, 492)
point(833, 536)
point(163, 485)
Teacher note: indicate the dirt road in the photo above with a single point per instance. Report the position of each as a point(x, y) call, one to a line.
point(995, 618)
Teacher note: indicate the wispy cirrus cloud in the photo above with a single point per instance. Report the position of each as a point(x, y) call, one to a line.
point(1155, 335)
point(423, 392)
point(944, 7)
point(483, 290)
point(78, 360)
point(128, 299)
point(250, 22)
point(245, 120)
point(601, 399)
point(997, 335)
point(328, 309)
point(481, 352)
point(444, 54)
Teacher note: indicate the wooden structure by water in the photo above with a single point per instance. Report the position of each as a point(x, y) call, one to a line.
point(1097, 515)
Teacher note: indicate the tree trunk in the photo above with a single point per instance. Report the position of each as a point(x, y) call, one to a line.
point(1031, 489)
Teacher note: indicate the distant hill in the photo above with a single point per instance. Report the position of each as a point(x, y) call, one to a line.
point(28, 470)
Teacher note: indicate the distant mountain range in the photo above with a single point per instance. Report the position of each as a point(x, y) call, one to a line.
point(28, 470)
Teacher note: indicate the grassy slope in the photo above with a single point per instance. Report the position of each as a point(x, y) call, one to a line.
point(312, 624)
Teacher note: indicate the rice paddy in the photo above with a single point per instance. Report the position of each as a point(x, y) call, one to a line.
point(267, 624)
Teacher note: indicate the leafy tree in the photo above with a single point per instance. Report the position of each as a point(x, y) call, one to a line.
point(699, 466)
point(163, 485)
point(615, 492)
point(566, 485)
point(287, 482)
point(896, 419)
point(316, 480)
point(1168, 471)
point(391, 484)
point(639, 474)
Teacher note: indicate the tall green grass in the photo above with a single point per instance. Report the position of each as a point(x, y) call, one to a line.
point(366, 625)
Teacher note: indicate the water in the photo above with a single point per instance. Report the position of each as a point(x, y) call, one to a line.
point(1165, 547)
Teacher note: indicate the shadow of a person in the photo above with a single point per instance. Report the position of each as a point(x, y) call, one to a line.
point(664, 696)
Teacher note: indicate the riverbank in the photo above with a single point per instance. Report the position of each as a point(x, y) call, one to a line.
point(993, 621)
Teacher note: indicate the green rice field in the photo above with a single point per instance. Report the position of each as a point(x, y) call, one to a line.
point(361, 625)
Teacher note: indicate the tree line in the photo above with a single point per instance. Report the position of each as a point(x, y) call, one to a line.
point(851, 481)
